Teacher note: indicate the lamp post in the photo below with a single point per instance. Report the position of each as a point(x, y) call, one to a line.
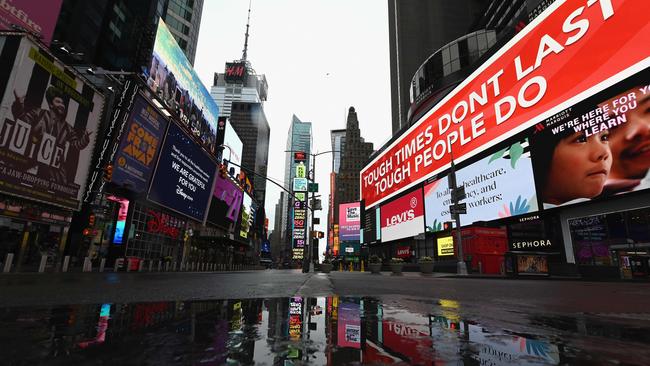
point(312, 208)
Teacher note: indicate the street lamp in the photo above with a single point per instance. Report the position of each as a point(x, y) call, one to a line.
point(311, 207)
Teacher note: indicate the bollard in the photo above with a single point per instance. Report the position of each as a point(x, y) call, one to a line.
point(362, 269)
point(66, 263)
point(340, 267)
point(159, 266)
point(182, 266)
point(128, 265)
point(203, 267)
point(102, 264)
point(141, 265)
point(150, 265)
point(351, 269)
point(174, 266)
point(118, 264)
point(9, 259)
point(88, 266)
point(167, 267)
point(41, 266)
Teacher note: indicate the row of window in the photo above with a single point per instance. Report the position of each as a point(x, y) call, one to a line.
point(178, 7)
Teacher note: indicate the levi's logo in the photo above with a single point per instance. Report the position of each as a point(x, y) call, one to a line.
point(400, 218)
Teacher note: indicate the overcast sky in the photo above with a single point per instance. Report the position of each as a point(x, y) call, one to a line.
point(320, 57)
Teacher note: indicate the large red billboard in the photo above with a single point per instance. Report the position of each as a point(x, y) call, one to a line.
point(575, 49)
point(403, 217)
point(37, 17)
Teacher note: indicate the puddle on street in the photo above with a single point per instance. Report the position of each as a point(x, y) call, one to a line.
point(319, 331)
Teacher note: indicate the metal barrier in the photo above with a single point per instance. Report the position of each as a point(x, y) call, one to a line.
point(88, 265)
point(118, 264)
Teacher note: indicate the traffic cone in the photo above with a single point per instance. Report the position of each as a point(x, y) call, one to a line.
point(362, 270)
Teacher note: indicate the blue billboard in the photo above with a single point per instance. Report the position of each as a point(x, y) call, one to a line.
point(184, 176)
point(138, 151)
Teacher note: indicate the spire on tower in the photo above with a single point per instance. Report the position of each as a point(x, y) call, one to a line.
point(248, 22)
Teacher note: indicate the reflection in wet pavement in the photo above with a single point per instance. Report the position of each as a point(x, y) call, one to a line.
point(319, 331)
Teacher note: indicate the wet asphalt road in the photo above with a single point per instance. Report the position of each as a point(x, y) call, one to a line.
point(556, 296)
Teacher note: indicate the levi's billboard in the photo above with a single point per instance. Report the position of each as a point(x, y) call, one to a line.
point(575, 49)
point(403, 217)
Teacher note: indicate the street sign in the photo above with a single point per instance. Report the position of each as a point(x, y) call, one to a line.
point(316, 220)
point(313, 187)
point(459, 208)
point(451, 180)
point(300, 196)
point(458, 194)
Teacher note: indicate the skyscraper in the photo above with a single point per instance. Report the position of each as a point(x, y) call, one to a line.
point(119, 35)
point(354, 155)
point(338, 144)
point(298, 139)
point(240, 94)
point(417, 28)
point(183, 18)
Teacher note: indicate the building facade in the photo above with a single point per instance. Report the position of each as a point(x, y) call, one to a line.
point(417, 28)
point(183, 18)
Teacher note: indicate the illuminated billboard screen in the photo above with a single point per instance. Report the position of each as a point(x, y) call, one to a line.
point(184, 176)
point(226, 202)
point(138, 151)
point(403, 217)
point(349, 221)
point(173, 79)
point(49, 118)
point(349, 325)
point(499, 185)
point(541, 71)
point(596, 148)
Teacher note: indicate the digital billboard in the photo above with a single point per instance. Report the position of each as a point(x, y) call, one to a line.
point(541, 71)
point(138, 150)
point(226, 202)
point(499, 185)
point(173, 79)
point(236, 72)
point(349, 221)
point(49, 118)
point(232, 145)
point(403, 217)
point(603, 141)
point(37, 17)
point(184, 176)
point(246, 216)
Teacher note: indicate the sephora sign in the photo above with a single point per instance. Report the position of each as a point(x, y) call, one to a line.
point(541, 71)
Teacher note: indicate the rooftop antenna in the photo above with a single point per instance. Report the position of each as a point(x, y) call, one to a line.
point(248, 22)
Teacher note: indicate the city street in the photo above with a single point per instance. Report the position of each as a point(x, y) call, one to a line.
point(561, 296)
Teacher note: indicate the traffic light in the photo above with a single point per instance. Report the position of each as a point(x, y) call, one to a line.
point(321, 235)
point(91, 220)
point(87, 232)
point(223, 171)
point(447, 225)
point(108, 172)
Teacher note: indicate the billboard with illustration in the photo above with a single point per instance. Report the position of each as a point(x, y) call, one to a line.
point(49, 118)
point(540, 72)
point(226, 202)
point(499, 185)
point(173, 79)
point(603, 141)
point(138, 151)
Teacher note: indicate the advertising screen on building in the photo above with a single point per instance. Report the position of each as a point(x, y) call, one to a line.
point(300, 184)
point(184, 176)
point(445, 246)
point(499, 185)
point(246, 216)
point(173, 79)
point(48, 125)
point(226, 203)
point(541, 71)
point(37, 17)
point(403, 217)
point(138, 151)
point(349, 221)
point(604, 141)
point(371, 228)
point(232, 145)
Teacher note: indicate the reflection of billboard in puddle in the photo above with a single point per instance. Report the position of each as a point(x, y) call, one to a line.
point(498, 349)
point(349, 325)
point(122, 214)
